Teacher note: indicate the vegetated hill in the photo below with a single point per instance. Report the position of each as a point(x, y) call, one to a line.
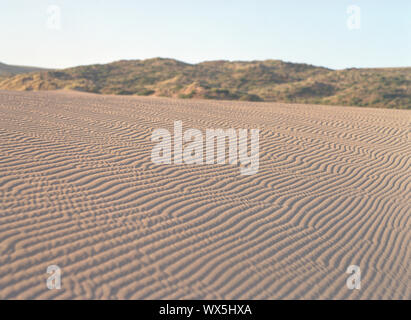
point(7, 70)
point(269, 80)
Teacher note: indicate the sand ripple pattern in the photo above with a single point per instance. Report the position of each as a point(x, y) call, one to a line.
point(78, 189)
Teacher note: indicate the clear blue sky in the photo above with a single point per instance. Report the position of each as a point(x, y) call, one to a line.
point(102, 31)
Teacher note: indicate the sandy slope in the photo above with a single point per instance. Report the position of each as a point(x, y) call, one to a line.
point(78, 189)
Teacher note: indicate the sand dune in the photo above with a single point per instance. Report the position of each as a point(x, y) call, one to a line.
point(78, 190)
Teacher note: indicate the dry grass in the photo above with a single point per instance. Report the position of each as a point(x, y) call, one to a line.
point(269, 80)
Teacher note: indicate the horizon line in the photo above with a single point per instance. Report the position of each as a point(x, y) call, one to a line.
point(196, 63)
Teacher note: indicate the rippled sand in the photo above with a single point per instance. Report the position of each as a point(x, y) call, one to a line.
point(78, 190)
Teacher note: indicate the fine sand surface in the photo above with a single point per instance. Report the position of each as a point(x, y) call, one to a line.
point(78, 190)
